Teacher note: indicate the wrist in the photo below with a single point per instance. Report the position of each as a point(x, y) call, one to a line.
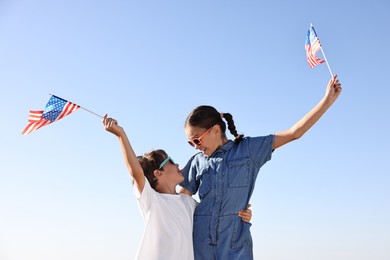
point(327, 100)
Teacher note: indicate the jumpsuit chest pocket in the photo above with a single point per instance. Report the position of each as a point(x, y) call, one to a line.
point(238, 173)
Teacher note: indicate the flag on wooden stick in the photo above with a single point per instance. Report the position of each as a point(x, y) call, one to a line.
point(56, 108)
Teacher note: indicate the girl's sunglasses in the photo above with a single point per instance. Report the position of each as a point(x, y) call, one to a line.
point(197, 140)
point(165, 162)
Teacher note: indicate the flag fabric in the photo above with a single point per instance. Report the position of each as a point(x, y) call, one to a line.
point(56, 108)
point(312, 46)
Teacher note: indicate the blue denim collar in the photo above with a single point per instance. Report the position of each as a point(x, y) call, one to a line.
point(225, 147)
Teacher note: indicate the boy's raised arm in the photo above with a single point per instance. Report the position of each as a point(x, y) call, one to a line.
point(131, 161)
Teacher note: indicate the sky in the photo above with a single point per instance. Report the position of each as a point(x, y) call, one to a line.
point(65, 192)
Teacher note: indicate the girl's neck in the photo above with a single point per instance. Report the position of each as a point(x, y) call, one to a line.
point(223, 141)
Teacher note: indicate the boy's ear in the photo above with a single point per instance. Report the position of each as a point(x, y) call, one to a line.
point(157, 173)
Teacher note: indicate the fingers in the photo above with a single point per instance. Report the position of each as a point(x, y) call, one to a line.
point(336, 84)
point(109, 122)
point(245, 215)
point(333, 80)
point(338, 87)
point(247, 211)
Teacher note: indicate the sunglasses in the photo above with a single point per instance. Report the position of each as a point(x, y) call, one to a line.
point(197, 140)
point(168, 159)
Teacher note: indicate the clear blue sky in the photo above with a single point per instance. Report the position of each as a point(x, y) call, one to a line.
point(64, 190)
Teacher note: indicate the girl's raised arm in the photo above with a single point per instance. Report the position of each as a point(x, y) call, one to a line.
point(333, 91)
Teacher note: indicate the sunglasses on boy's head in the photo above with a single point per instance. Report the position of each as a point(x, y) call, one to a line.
point(197, 140)
point(165, 162)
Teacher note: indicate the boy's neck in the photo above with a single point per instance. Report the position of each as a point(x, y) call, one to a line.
point(166, 189)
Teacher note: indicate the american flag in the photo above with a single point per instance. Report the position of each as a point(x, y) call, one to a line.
point(56, 108)
point(312, 46)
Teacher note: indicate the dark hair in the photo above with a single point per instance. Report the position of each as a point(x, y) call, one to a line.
point(150, 162)
point(207, 116)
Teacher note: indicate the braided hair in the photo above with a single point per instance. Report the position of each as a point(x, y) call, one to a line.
point(207, 116)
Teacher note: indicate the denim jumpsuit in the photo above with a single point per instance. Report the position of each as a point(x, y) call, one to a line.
point(225, 182)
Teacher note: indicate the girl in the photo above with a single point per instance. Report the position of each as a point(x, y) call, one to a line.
point(225, 171)
point(167, 215)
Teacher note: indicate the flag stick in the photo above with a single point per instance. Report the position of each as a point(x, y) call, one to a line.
point(326, 61)
point(323, 54)
point(91, 112)
point(83, 108)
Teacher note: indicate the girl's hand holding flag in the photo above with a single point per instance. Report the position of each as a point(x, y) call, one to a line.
point(333, 89)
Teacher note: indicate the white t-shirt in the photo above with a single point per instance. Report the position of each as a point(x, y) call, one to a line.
point(168, 225)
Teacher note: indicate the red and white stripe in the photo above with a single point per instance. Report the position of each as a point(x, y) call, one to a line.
point(68, 109)
point(311, 51)
point(36, 121)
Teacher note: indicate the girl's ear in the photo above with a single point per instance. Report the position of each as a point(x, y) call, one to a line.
point(216, 129)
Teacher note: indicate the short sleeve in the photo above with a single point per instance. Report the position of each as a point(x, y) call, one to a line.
point(260, 149)
point(144, 198)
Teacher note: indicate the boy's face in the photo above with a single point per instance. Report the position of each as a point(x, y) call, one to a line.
point(171, 172)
